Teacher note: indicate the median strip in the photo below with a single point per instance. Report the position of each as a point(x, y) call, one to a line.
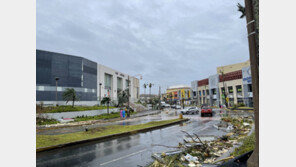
point(49, 142)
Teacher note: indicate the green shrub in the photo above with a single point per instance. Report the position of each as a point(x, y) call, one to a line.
point(45, 121)
point(57, 109)
point(248, 145)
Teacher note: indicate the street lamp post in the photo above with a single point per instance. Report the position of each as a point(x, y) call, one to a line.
point(100, 84)
point(128, 94)
point(56, 79)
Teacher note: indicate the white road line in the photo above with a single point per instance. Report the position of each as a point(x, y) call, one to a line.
point(122, 157)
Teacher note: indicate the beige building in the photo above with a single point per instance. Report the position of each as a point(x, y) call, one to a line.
point(232, 67)
point(233, 86)
point(231, 78)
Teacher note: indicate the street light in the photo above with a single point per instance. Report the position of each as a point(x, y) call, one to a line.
point(100, 84)
point(56, 79)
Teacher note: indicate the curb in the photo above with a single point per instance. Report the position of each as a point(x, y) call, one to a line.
point(41, 149)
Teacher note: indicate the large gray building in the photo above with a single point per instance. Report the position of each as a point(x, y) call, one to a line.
point(72, 71)
point(91, 81)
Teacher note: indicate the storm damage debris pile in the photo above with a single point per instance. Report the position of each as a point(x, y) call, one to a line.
point(197, 150)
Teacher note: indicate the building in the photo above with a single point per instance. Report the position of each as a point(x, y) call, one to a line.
point(232, 85)
point(71, 71)
point(174, 94)
point(231, 82)
point(81, 74)
point(203, 91)
point(111, 82)
point(194, 92)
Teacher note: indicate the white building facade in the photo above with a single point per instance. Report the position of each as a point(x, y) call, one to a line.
point(111, 82)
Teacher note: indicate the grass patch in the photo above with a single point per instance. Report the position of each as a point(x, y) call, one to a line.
point(248, 145)
point(245, 108)
point(49, 140)
point(44, 121)
point(97, 117)
point(57, 109)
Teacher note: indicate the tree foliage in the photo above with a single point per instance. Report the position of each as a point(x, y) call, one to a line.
point(70, 95)
point(242, 10)
point(106, 100)
point(122, 97)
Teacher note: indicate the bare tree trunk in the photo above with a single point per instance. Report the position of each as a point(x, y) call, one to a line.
point(254, 59)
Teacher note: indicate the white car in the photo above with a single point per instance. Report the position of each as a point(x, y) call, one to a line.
point(190, 110)
point(178, 107)
point(167, 105)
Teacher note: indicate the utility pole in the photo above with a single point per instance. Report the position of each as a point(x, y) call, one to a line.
point(128, 95)
point(100, 84)
point(253, 161)
point(159, 94)
point(224, 93)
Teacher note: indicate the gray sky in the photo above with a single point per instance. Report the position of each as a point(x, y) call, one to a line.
point(169, 42)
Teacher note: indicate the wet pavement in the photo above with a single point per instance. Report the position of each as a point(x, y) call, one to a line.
point(129, 151)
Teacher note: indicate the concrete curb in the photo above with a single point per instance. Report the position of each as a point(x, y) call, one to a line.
point(41, 149)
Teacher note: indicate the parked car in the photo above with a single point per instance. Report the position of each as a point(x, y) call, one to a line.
point(190, 110)
point(167, 105)
point(206, 111)
point(173, 106)
point(178, 107)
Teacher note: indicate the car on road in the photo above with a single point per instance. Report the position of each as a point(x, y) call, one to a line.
point(206, 111)
point(178, 107)
point(173, 106)
point(167, 105)
point(190, 110)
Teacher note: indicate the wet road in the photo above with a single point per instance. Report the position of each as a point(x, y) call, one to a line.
point(129, 151)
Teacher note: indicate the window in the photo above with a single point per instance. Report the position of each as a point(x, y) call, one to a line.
point(207, 91)
point(203, 92)
point(230, 89)
point(119, 84)
point(126, 83)
point(200, 93)
point(214, 91)
point(223, 90)
point(239, 88)
point(40, 88)
point(108, 81)
point(250, 88)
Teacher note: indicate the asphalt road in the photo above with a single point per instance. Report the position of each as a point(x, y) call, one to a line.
point(129, 151)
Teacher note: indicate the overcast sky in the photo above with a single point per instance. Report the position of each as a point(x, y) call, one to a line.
point(169, 42)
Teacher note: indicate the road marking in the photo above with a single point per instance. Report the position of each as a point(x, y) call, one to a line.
point(122, 157)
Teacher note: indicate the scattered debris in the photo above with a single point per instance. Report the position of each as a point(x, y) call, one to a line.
point(197, 150)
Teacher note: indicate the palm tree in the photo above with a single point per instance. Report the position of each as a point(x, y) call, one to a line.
point(106, 100)
point(145, 86)
point(242, 10)
point(150, 85)
point(70, 95)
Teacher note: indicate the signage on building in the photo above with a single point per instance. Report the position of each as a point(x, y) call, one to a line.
point(247, 77)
